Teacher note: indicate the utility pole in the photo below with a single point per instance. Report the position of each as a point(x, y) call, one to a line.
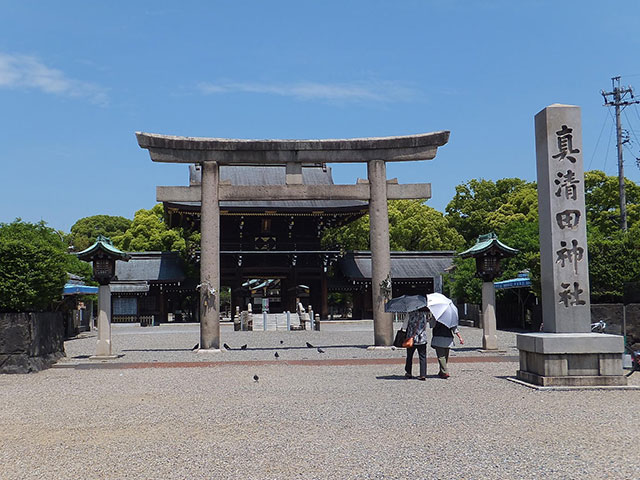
point(619, 101)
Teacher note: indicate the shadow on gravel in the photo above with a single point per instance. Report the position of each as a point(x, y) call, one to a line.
point(402, 377)
point(158, 350)
point(284, 347)
point(392, 377)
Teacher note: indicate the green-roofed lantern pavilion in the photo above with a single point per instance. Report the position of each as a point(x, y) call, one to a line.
point(488, 251)
point(103, 255)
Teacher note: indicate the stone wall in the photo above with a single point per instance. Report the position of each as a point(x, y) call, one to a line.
point(30, 342)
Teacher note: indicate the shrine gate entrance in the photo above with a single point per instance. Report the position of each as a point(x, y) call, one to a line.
point(212, 153)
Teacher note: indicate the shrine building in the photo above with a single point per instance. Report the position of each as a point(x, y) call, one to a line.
point(271, 256)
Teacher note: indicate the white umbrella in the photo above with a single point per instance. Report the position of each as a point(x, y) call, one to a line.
point(443, 309)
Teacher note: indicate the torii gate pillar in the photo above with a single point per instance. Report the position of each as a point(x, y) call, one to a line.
point(210, 259)
point(380, 251)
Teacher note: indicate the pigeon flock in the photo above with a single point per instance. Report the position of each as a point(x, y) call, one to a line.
point(276, 354)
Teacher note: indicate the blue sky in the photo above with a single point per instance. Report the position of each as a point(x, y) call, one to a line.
point(78, 78)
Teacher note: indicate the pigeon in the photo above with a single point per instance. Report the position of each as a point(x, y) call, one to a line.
point(276, 355)
point(226, 346)
point(309, 345)
point(243, 347)
point(195, 347)
point(320, 350)
point(255, 378)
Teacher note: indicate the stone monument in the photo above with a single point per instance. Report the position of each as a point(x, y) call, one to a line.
point(566, 353)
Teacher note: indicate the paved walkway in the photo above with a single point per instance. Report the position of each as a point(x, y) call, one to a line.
point(345, 413)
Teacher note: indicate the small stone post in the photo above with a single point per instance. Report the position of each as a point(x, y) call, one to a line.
point(103, 344)
point(489, 335)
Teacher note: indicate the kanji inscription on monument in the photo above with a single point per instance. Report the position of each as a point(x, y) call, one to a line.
point(563, 236)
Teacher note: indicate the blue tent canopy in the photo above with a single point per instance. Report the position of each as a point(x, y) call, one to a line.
point(73, 289)
point(522, 281)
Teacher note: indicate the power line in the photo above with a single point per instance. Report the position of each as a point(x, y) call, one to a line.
point(597, 142)
point(630, 127)
point(606, 153)
point(619, 100)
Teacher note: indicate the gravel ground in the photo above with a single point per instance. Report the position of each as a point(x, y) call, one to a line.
point(304, 421)
point(175, 343)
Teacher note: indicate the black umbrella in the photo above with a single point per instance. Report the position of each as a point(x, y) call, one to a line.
point(406, 303)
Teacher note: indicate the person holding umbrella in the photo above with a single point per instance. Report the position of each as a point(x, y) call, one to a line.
point(417, 329)
point(415, 306)
point(445, 325)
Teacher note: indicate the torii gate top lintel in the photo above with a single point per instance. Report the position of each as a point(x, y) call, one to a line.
point(227, 151)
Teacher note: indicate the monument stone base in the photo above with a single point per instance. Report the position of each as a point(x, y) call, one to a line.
point(571, 359)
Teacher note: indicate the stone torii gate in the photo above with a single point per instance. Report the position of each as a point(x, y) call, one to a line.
point(211, 153)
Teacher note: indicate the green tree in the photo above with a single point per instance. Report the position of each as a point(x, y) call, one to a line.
point(33, 266)
point(149, 232)
point(353, 236)
point(85, 231)
point(413, 226)
point(462, 284)
point(479, 206)
point(508, 207)
point(602, 198)
point(613, 255)
point(614, 259)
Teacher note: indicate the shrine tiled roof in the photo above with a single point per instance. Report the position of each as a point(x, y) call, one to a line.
point(151, 266)
point(245, 175)
point(404, 265)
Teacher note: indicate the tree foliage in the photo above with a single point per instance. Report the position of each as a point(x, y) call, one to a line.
point(413, 226)
point(508, 207)
point(149, 232)
point(85, 231)
point(463, 284)
point(614, 259)
point(602, 198)
point(513, 215)
point(33, 266)
point(482, 205)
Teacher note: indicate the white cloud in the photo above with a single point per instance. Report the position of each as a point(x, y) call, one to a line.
point(372, 91)
point(23, 71)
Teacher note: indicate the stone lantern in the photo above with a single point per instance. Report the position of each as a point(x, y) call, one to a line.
point(103, 255)
point(488, 251)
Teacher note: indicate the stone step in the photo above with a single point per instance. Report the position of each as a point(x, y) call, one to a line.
point(275, 321)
